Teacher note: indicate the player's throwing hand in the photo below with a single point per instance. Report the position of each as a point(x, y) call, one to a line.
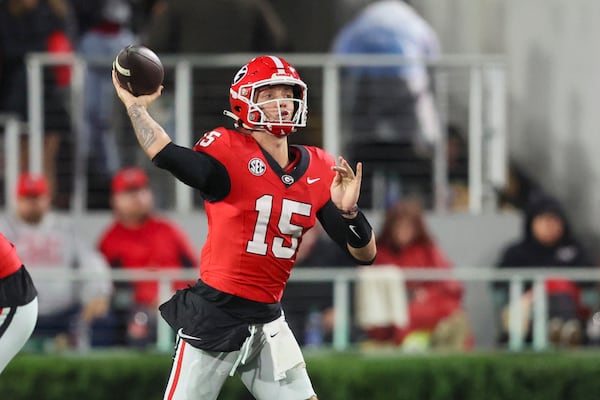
point(129, 99)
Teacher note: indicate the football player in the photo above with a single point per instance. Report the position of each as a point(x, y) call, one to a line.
point(18, 303)
point(261, 195)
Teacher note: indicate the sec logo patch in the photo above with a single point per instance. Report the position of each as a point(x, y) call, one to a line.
point(257, 167)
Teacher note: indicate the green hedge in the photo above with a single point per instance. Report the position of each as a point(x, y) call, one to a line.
point(136, 376)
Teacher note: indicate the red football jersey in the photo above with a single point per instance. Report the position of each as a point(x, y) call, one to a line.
point(254, 232)
point(9, 260)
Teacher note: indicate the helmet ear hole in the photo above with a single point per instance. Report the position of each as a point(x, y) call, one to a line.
point(237, 109)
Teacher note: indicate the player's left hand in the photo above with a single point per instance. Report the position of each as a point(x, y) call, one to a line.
point(345, 188)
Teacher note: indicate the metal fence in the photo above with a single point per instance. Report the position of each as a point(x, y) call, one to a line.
point(469, 89)
point(342, 278)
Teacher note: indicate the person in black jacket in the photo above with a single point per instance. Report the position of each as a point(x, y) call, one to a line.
point(548, 242)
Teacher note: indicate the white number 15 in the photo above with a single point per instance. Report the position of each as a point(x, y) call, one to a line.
point(264, 206)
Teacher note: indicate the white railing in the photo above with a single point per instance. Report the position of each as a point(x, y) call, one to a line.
point(486, 112)
point(12, 127)
point(343, 277)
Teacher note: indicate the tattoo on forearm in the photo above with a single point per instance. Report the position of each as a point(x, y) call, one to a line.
point(142, 125)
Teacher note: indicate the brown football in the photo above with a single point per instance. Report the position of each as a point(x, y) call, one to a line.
point(139, 70)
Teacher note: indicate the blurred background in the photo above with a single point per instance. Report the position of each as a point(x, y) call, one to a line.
point(475, 122)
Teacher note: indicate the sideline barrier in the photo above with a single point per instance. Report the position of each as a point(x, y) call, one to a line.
point(343, 277)
point(343, 376)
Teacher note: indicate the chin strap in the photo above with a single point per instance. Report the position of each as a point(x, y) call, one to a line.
point(237, 121)
point(231, 115)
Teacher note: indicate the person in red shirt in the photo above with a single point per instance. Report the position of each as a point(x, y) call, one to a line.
point(261, 195)
point(18, 303)
point(139, 238)
point(405, 241)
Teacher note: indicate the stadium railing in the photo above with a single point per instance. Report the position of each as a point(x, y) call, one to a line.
point(342, 278)
point(482, 83)
point(12, 126)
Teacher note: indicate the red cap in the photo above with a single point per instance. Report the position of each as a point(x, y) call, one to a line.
point(128, 179)
point(32, 185)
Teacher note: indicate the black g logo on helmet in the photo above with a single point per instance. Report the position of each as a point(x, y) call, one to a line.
point(240, 74)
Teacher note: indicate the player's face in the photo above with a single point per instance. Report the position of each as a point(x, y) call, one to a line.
point(276, 102)
point(133, 206)
point(31, 209)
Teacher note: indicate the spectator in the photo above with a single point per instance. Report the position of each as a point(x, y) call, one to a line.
point(434, 307)
point(548, 242)
point(191, 26)
point(103, 30)
point(393, 119)
point(309, 303)
point(71, 313)
point(136, 239)
point(18, 303)
point(28, 26)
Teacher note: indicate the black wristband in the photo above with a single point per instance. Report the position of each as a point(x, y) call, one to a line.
point(358, 231)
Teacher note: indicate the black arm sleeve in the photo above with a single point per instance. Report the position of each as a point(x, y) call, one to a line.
point(198, 170)
point(336, 228)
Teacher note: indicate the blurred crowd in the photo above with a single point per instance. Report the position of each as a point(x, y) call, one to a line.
point(387, 309)
point(392, 127)
point(394, 130)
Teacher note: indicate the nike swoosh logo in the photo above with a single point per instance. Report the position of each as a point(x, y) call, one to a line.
point(275, 334)
point(310, 181)
point(353, 229)
point(184, 336)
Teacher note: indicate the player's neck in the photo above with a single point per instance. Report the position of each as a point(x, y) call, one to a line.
point(277, 147)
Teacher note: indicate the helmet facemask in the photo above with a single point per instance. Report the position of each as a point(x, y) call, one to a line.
point(276, 124)
point(277, 120)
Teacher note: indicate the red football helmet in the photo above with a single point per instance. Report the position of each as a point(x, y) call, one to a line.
point(260, 72)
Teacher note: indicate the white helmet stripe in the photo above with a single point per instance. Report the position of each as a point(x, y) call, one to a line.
point(278, 63)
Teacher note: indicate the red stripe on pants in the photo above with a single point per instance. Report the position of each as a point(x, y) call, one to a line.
point(177, 371)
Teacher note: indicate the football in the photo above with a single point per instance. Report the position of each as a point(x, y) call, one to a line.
point(139, 70)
